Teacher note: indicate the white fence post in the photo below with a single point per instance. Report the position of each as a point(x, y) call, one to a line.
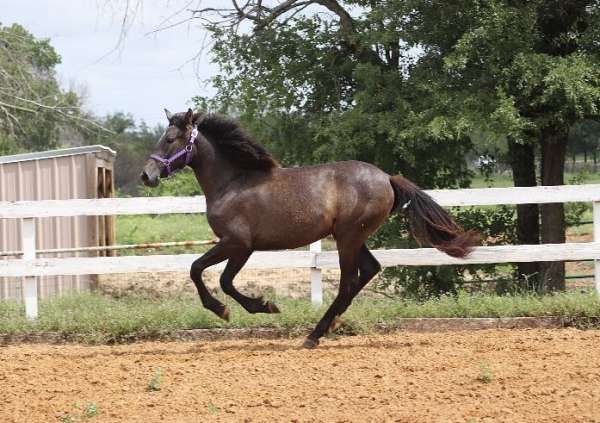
point(596, 219)
point(316, 277)
point(30, 283)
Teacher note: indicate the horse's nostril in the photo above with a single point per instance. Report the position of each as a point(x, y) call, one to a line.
point(144, 177)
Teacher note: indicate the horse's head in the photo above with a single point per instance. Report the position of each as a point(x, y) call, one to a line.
point(175, 150)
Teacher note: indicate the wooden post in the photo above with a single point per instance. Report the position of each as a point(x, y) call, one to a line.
point(596, 219)
point(30, 282)
point(316, 277)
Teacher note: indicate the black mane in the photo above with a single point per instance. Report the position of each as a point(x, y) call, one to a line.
point(234, 143)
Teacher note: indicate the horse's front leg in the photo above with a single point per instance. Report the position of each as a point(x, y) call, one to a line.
point(213, 256)
point(236, 261)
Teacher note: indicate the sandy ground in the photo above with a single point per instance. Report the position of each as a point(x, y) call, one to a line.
point(480, 376)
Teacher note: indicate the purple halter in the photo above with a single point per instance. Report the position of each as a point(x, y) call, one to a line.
point(187, 151)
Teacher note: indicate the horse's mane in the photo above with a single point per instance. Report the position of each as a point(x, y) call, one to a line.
point(234, 143)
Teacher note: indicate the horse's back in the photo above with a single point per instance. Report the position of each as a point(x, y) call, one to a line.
point(343, 188)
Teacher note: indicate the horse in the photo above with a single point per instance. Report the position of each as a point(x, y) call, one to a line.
point(254, 204)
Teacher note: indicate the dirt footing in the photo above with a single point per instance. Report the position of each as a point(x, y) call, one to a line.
point(490, 375)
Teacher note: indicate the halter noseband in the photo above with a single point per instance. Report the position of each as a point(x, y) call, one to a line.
point(187, 151)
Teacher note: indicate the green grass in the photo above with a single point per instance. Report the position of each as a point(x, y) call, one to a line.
point(505, 180)
point(162, 228)
point(95, 318)
point(498, 181)
point(170, 227)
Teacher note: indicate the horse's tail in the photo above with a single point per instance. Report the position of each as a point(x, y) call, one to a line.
point(429, 222)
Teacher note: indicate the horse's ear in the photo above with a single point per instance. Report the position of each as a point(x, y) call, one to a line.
point(168, 114)
point(188, 117)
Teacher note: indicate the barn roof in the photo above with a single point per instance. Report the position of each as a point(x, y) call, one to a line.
point(57, 153)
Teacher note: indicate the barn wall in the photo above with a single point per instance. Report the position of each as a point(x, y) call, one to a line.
point(54, 178)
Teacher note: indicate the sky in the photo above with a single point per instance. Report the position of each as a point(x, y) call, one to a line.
point(143, 73)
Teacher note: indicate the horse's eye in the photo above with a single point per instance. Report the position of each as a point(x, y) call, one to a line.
point(170, 140)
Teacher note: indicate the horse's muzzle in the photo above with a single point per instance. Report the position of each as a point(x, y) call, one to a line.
point(148, 180)
point(150, 174)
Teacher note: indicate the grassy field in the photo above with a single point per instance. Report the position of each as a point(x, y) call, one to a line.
point(96, 318)
point(170, 227)
point(163, 228)
point(505, 180)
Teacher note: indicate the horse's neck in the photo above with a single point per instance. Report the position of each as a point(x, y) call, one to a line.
point(213, 176)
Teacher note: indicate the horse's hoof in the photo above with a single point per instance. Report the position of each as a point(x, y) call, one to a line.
point(310, 344)
point(271, 308)
point(225, 314)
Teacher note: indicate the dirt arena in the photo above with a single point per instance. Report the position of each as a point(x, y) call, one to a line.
point(478, 376)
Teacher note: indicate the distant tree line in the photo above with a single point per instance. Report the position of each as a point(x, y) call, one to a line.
point(584, 143)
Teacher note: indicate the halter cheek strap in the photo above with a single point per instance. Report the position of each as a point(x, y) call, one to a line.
point(186, 151)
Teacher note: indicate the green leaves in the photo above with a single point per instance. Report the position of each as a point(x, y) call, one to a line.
point(310, 96)
point(32, 105)
point(573, 86)
point(531, 59)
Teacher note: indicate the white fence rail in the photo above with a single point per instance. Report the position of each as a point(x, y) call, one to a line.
point(29, 266)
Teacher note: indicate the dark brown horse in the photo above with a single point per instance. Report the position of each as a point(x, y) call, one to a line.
point(254, 204)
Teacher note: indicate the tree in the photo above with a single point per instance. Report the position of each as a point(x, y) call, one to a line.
point(33, 107)
point(317, 87)
point(407, 84)
point(526, 71)
point(334, 87)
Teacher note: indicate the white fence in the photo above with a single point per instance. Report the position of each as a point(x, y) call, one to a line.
point(29, 266)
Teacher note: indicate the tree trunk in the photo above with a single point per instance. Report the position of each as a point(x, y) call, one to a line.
point(554, 144)
point(522, 162)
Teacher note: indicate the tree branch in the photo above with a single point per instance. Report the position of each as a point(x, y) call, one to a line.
point(263, 16)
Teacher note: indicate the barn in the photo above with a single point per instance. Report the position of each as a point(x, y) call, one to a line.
point(70, 173)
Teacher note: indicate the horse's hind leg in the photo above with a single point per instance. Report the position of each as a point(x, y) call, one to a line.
point(213, 256)
point(368, 267)
point(251, 305)
point(348, 281)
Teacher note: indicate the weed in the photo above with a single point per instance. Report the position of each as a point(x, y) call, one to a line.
point(90, 410)
point(485, 373)
point(155, 381)
point(212, 409)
